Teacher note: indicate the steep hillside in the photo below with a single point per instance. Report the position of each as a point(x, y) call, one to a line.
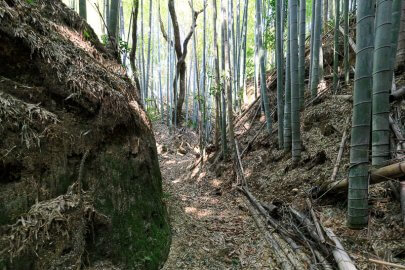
point(80, 184)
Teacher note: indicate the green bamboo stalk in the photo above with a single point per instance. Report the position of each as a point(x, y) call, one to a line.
point(360, 133)
point(346, 41)
point(396, 17)
point(336, 47)
point(316, 49)
point(382, 81)
point(312, 42)
point(287, 100)
point(279, 62)
point(295, 91)
point(262, 62)
point(113, 23)
point(83, 9)
point(301, 60)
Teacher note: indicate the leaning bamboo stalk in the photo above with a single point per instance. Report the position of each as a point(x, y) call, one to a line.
point(340, 154)
point(342, 258)
point(351, 41)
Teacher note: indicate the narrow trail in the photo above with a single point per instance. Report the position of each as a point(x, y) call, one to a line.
point(211, 224)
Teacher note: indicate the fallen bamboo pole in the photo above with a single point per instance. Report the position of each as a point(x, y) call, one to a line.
point(398, 266)
point(317, 226)
point(390, 172)
point(341, 257)
point(279, 254)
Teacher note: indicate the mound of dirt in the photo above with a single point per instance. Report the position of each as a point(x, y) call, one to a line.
point(63, 95)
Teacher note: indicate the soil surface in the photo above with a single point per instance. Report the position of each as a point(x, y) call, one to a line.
point(211, 224)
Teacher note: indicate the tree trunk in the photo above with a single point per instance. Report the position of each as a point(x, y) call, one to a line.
point(325, 12)
point(295, 91)
point(181, 53)
point(280, 69)
point(382, 82)
point(360, 134)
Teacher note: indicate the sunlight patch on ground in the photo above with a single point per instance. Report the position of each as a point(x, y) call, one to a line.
point(199, 213)
point(216, 183)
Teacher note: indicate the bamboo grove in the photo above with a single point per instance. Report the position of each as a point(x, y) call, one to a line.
point(193, 61)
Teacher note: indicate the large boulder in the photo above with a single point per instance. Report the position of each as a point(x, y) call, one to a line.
point(80, 184)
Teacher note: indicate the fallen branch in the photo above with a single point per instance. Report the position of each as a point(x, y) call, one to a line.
point(399, 266)
point(315, 219)
point(341, 257)
point(279, 254)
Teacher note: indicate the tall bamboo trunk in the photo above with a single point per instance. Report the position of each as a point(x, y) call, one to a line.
point(83, 9)
point(148, 59)
point(382, 81)
point(316, 49)
point(312, 42)
point(336, 47)
point(287, 100)
point(113, 23)
point(301, 60)
point(280, 77)
point(217, 75)
point(360, 134)
point(400, 62)
point(346, 41)
point(295, 91)
point(396, 25)
point(262, 62)
point(228, 83)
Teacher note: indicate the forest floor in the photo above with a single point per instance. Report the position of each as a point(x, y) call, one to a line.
point(211, 228)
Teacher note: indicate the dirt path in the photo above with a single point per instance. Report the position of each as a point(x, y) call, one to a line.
point(211, 225)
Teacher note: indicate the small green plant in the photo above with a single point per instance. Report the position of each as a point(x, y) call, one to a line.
point(86, 34)
point(104, 39)
point(31, 2)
